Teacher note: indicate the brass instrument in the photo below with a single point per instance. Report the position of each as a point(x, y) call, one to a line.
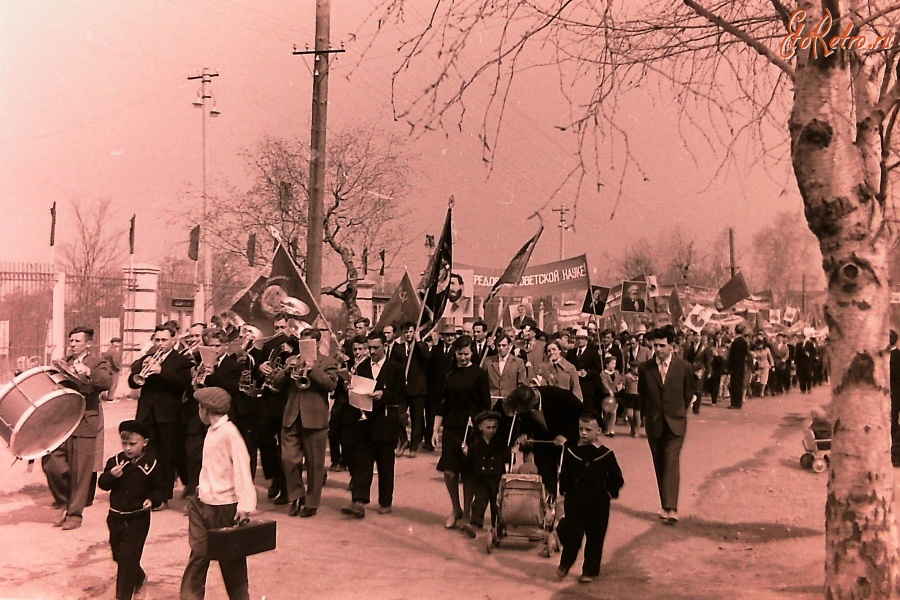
point(149, 363)
point(299, 372)
point(276, 364)
point(246, 385)
point(198, 381)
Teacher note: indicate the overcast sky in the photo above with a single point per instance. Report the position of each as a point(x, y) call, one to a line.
point(96, 103)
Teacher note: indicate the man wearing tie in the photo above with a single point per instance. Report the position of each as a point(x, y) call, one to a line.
point(505, 371)
point(481, 348)
point(588, 364)
point(666, 388)
point(416, 370)
point(393, 348)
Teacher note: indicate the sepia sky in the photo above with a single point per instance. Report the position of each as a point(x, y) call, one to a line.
point(96, 104)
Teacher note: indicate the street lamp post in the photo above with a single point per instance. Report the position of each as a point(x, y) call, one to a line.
point(203, 96)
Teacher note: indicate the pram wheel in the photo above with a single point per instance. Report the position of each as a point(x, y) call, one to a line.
point(819, 465)
point(489, 540)
point(806, 460)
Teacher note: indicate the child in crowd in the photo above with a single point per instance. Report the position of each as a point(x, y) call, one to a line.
point(589, 479)
point(486, 459)
point(632, 399)
point(613, 383)
point(225, 496)
point(135, 483)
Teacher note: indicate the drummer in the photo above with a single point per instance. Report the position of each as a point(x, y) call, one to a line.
point(72, 468)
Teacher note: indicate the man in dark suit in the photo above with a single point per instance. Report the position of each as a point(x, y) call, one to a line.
point(666, 388)
point(481, 348)
point(609, 348)
point(416, 382)
point(70, 468)
point(738, 359)
point(167, 379)
point(377, 431)
point(438, 368)
point(694, 353)
point(522, 319)
point(393, 348)
point(304, 429)
point(589, 365)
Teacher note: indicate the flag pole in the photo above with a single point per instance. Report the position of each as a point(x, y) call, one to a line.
point(418, 327)
point(496, 327)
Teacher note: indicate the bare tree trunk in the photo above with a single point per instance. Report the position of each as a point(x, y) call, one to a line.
point(836, 150)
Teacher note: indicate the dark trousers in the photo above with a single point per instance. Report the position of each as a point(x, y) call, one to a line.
point(484, 493)
point(165, 438)
point(269, 442)
point(546, 459)
point(299, 445)
point(69, 470)
point(193, 458)
point(805, 377)
point(127, 534)
point(587, 521)
point(335, 445)
point(895, 429)
point(247, 426)
point(368, 454)
point(417, 417)
point(201, 518)
point(666, 453)
point(736, 389)
point(403, 411)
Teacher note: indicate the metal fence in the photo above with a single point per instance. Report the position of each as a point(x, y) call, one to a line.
point(26, 306)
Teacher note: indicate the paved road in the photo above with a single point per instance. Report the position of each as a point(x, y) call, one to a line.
point(751, 527)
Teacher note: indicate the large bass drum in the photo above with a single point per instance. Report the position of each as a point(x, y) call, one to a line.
point(39, 410)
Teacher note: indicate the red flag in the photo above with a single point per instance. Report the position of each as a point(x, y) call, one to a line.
point(259, 303)
point(436, 280)
point(402, 307)
point(675, 307)
point(513, 273)
point(194, 244)
point(732, 292)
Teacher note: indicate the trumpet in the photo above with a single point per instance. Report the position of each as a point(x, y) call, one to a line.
point(150, 363)
point(299, 372)
point(276, 364)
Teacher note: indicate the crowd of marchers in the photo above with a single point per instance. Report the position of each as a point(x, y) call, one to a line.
point(215, 402)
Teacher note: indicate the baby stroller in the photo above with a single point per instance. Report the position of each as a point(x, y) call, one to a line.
point(817, 443)
point(524, 510)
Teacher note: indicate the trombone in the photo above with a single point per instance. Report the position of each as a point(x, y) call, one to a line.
point(151, 362)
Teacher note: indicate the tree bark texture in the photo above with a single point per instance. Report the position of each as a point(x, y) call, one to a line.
point(836, 149)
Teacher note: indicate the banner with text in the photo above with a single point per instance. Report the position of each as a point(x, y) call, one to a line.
point(568, 275)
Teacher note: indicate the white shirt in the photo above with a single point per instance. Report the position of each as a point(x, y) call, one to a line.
point(376, 368)
point(502, 363)
point(225, 475)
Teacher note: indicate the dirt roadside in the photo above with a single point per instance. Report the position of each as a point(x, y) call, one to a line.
point(751, 526)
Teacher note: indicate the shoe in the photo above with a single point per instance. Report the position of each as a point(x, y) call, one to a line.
point(562, 571)
point(412, 454)
point(585, 579)
point(452, 520)
point(384, 510)
point(469, 529)
point(60, 522)
point(308, 511)
point(274, 489)
point(427, 447)
point(732, 407)
point(401, 449)
point(163, 506)
point(696, 411)
point(57, 505)
point(139, 589)
point(356, 509)
point(71, 524)
point(296, 505)
point(672, 518)
point(281, 499)
point(663, 515)
point(188, 491)
point(341, 469)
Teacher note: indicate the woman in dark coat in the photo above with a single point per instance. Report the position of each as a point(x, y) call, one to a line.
point(467, 394)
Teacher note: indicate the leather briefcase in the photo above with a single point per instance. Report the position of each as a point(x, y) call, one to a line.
point(229, 543)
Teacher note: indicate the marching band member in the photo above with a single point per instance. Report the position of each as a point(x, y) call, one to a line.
point(70, 469)
point(304, 430)
point(191, 429)
point(271, 406)
point(162, 377)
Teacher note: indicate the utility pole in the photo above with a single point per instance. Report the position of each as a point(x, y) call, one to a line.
point(562, 210)
point(203, 96)
point(803, 295)
point(731, 251)
point(317, 147)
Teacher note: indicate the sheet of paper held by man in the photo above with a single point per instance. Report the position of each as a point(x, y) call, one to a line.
point(361, 390)
point(208, 356)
